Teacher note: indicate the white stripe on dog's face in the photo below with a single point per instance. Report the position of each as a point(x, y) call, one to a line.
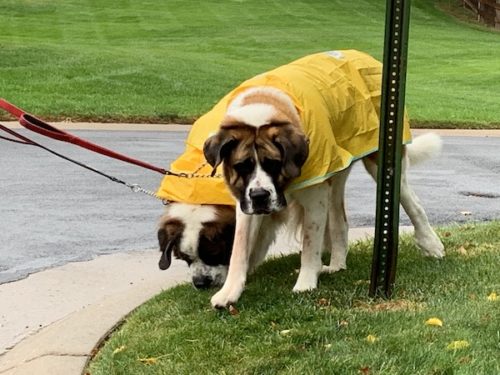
point(261, 180)
point(192, 216)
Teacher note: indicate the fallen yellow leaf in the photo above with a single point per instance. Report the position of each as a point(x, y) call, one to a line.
point(457, 345)
point(371, 338)
point(148, 361)
point(434, 322)
point(492, 297)
point(119, 349)
point(285, 332)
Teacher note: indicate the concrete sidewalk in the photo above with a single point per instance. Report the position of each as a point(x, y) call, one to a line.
point(182, 127)
point(53, 320)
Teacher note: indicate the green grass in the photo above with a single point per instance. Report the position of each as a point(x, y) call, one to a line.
point(164, 60)
point(325, 331)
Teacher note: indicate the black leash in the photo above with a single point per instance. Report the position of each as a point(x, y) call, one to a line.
point(27, 141)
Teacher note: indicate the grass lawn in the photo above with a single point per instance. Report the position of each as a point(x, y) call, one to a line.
point(334, 330)
point(150, 60)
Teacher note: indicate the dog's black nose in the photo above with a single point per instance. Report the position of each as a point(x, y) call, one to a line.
point(202, 282)
point(259, 194)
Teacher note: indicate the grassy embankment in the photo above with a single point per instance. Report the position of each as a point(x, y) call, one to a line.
point(170, 61)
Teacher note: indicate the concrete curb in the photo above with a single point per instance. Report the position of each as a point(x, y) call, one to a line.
point(107, 126)
point(82, 302)
point(186, 128)
point(77, 304)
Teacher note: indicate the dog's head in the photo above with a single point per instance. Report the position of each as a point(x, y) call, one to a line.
point(201, 235)
point(263, 149)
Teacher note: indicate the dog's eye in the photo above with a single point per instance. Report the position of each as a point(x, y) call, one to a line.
point(272, 166)
point(244, 167)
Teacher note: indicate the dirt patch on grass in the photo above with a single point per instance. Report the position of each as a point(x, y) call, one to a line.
point(393, 305)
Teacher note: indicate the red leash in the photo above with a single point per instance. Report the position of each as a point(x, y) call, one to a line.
point(41, 127)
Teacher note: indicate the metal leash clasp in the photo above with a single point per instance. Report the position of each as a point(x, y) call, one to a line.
point(136, 188)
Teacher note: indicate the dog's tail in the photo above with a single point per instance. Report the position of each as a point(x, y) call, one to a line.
point(424, 147)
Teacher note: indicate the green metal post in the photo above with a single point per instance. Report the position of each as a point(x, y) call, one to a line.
point(390, 145)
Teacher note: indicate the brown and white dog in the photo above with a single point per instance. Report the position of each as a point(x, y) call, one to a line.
point(202, 236)
point(263, 148)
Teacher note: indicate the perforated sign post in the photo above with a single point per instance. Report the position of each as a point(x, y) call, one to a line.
point(390, 144)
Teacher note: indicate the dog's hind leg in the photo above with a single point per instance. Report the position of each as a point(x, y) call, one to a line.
point(336, 233)
point(425, 237)
point(315, 199)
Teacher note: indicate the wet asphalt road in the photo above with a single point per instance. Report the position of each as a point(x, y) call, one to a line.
point(53, 212)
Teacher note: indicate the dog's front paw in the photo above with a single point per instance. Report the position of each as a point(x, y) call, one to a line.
point(305, 282)
point(430, 244)
point(219, 300)
point(224, 297)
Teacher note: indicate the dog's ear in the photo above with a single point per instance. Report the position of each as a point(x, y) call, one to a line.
point(217, 147)
point(166, 247)
point(294, 149)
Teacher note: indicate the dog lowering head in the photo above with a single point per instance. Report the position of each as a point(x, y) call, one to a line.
point(202, 236)
point(262, 147)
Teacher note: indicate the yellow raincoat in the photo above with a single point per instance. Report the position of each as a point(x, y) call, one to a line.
point(337, 94)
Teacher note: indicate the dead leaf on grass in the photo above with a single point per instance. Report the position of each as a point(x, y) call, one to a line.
point(434, 322)
point(393, 305)
point(148, 361)
point(457, 345)
point(492, 297)
point(365, 370)
point(233, 310)
point(323, 302)
point(343, 323)
point(371, 338)
point(285, 332)
point(465, 360)
point(119, 349)
point(151, 360)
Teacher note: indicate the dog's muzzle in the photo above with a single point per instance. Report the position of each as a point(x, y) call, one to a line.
point(202, 282)
point(261, 202)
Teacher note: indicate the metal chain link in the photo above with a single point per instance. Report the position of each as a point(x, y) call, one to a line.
point(136, 188)
point(195, 175)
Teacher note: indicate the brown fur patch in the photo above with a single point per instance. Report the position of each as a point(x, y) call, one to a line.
point(216, 238)
point(172, 226)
